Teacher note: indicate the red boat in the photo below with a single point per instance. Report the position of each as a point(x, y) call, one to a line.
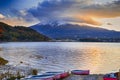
point(59, 75)
point(64, 74)
point(49, 76)
point(80, 72)
point(110, 79)
point(110, 76)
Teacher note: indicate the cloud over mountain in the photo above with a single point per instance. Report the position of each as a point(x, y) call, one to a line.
point(69, 11)
point(78, 11)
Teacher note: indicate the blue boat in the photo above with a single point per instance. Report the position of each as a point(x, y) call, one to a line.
point(42, 77)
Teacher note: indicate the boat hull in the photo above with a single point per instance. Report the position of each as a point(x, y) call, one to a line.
point(80, 72)
point(110, 79)
point(42, 77)
point(60, 75)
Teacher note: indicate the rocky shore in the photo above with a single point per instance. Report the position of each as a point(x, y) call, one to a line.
point(11, 73)
point(85, 77)
point(8, 72)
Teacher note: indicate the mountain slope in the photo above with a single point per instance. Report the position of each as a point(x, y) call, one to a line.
point(19, 33)
point(76, 32)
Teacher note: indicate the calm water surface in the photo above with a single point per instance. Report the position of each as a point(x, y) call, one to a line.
point(56, 56)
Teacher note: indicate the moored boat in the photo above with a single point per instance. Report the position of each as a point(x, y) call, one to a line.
point(59, 75)
point(64, 74)
point(110, 76)
point(41, 77)
point(80, 72)
point(56, 75)
point(110, 79)
point(49, 76)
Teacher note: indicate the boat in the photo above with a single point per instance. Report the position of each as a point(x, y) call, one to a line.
point(56, 75)
point(59, 75)
point(110, 76)
point(64, 75)
point(49, 76)
point(80, 72)
point(41, 77)
point(110, 79)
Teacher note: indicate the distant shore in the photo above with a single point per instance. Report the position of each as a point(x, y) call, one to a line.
point(64, 41)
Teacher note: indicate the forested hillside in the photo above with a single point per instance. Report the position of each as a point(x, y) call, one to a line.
point(19, 33)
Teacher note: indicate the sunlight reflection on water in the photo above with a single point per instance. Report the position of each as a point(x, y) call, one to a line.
point(52, 56)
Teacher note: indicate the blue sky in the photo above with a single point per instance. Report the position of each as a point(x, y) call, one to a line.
point(17, 3)
point(98, 13)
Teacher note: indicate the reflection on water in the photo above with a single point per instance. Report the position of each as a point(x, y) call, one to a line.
point(49, 56)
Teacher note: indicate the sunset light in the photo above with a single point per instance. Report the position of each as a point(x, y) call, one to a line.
point(59, 39)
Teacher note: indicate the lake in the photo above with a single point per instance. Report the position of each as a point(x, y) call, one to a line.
point(57, 56)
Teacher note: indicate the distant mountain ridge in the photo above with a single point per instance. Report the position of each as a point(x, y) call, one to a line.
point(19, 33)
point(77, 32)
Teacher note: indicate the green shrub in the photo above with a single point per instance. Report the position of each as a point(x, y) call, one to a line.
point(3, 61)
point(34, 72)
point(12, 78)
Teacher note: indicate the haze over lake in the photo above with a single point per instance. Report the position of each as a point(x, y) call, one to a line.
point(57, 56)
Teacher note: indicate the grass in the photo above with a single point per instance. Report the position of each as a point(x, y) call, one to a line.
point(9, 76)
point(3, 61)
point(16, 74)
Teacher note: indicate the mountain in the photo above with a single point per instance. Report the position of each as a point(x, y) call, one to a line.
point(19, 33)
point(77, 32)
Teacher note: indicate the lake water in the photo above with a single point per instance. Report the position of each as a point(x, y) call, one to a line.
point(57, 56)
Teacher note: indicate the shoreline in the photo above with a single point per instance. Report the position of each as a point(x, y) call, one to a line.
point(85, 77)
point(8, 71)
point(65, 41)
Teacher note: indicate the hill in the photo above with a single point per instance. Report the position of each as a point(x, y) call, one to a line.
point(68, 32)
point(19, 33)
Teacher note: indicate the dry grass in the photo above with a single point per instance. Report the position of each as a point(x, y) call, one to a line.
point(8, 72)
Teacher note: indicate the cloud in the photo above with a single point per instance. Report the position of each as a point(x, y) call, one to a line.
point(17, 21)
point(20, 17)
point(51, 10)
point(82, 11)
point(70, 11)
point(109, 10)
point(13, 21)
point(2, 16)
point(23, 14)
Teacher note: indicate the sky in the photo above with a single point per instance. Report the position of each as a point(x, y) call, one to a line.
point(96, 13)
